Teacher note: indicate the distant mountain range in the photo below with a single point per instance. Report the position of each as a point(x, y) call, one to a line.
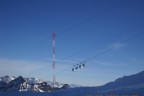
point(12, 83)
point(127, 85)
point(132, 85)
point(131, 82)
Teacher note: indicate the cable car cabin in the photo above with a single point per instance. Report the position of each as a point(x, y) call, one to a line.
point(78, 66)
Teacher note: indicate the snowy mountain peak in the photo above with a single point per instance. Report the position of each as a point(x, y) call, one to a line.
point(11, 83)
point(7, 78)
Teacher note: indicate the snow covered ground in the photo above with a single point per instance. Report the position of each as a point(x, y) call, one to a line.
point(74, 92)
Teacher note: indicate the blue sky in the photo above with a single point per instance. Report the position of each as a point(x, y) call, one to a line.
point(110, 32)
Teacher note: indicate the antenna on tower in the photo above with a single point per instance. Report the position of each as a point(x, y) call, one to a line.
point(53, 58)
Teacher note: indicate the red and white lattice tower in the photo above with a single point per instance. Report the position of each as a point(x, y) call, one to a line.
point(53, 57)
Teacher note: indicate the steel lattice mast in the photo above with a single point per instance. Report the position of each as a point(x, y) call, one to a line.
point(53, 57)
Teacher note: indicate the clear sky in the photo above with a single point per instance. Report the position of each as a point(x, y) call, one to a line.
point(109, 34)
